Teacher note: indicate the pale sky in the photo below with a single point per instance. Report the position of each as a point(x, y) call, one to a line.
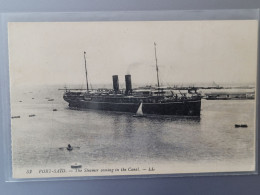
point(187, 51)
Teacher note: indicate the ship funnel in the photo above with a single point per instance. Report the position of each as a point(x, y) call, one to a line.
point(115, 83)
point(128, 84)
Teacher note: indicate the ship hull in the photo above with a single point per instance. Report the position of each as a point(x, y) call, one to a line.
point(186, 107)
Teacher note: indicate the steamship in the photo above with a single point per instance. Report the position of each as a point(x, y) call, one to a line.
point(153, 100)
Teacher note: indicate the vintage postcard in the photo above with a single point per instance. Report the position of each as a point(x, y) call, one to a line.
point(133, 97)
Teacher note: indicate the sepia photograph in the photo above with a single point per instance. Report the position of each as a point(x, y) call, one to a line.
point(132, 98)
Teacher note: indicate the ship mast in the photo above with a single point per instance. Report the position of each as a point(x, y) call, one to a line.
point(158, 82)
point(86, 70)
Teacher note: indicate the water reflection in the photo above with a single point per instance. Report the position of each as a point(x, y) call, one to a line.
point(145, 138)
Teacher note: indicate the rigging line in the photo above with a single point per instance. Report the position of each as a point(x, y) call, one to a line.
point(86, 70)
point(181, 93)
point(91, 87)
point(157, 69)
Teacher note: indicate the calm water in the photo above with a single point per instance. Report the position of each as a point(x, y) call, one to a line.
point(109, 137)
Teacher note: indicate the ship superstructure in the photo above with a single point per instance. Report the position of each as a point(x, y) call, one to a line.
point(153, 100)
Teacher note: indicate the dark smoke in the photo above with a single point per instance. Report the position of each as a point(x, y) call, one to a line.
point(133, 66)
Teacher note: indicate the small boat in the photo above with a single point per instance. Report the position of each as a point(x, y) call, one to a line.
point(50, 100)
point(76, 166)
point(32, 98)
point(16, 117)
point(20, 101)
point(69, 147)
point(32, 115)
point(241, 125)
point(54, 109)
point(139, 112)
